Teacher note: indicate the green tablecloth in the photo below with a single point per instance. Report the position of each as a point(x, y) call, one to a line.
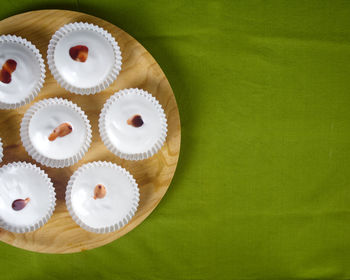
point(262, 189)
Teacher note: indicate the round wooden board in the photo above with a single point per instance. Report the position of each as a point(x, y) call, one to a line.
point(139, 69)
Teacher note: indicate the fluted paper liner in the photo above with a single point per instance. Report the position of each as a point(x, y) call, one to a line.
point(103, 129)
point(118, 224)
point(31, 149)
point(64, 30)
point(51, 198)
point(36, 89)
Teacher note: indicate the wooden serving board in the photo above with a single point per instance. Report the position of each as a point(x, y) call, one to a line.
point(139, 69)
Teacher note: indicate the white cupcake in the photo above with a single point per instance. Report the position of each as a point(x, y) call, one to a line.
point(22, 72)
point(102, 197)
point(133, 124)
point(56, 132)
point(84, 58)
point(27, 197)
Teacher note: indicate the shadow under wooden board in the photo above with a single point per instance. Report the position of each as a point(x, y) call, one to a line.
point(139, 70)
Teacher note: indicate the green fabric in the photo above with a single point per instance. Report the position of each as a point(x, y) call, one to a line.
point(262, 189)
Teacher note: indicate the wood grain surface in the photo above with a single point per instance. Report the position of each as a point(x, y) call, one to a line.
point(139, 69)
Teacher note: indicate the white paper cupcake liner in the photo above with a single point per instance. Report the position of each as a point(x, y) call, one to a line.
point(1, 150)
point(118, 224)
point(103, 129)
point(52, 200)
point(36, 89)
point(114, 72)
point(24, 131)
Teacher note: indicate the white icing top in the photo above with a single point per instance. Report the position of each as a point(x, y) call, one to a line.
point(26, 75)
point(109, 210)
point(127, 138)
point(19, 182)
point(95, 69)
point(45, 120)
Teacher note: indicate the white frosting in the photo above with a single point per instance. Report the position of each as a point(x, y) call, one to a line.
point(127, 138)
point(45, 120)
point(97, 66)
point(26, 75)
point(106, 211)
point(18, 182)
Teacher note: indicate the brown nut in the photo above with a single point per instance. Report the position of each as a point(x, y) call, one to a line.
point(19, 204)
point(62, 130)
point(99, 191)
point(135, 121)
point(79, 53)
point(6, 71)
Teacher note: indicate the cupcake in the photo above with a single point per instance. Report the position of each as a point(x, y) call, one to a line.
point(22, 71)
point(27, 197)
point(1, 150)
point(102, 197)
point(84, 58)
point(133, 124)
point(56, 132)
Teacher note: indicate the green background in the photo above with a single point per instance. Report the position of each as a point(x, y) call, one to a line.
point(262, 186)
